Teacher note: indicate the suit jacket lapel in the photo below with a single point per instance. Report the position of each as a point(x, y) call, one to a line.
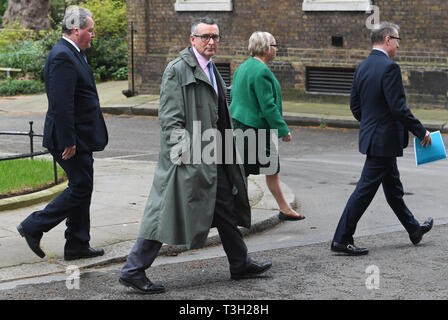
point(79, 57)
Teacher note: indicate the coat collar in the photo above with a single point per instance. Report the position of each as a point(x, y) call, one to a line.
point(376, 52)
point(78, 56)
point(188, 56)
point(68, 45)
point(72, 48)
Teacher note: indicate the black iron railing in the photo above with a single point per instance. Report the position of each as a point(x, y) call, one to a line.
point(31, 154)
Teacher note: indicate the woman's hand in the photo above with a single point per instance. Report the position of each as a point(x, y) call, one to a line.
point(287, 138)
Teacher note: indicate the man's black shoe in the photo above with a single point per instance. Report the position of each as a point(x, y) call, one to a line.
point(348, 248)
point(417, 236)
point(83, 254)
point(32, 242)
point(143, 285)
point(253, 269)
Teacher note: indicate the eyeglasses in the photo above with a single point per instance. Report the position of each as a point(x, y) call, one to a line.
point(206, 37)
point(392, 37)
point(274, 45)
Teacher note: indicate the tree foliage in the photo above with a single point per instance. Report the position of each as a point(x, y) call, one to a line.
point(3, 6)
point(27, 50)
point(109, 16)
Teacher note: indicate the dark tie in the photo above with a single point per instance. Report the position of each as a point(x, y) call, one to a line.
point(212, 75)
point(83, 55)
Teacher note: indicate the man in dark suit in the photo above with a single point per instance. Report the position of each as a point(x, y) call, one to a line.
point(378, 102)
point(74, 128)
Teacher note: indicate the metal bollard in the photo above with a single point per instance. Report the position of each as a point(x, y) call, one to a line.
point(31, 135)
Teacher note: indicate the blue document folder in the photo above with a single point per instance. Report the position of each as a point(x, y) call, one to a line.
point(435, 151)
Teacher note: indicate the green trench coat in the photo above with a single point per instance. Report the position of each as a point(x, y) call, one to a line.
point(181, 203)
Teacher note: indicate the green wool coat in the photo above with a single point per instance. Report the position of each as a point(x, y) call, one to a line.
point(181, 203)
point(257, 97)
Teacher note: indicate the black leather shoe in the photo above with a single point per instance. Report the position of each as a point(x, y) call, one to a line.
point(143, 285)
point(284, 217)
point(253, 269)
point(348, 248)
point(83, 254)
point(417, 236)
point(33, 243)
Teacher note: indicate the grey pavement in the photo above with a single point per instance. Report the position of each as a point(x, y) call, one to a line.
point(309, 271)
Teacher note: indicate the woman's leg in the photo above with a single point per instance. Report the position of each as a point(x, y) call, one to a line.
point(273, 183)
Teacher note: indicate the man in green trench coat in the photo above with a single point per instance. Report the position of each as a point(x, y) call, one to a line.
point(190, 195)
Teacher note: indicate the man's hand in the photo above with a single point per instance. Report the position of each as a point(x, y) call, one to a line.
point(287, 138)
point(426, 140)
point(68, 153)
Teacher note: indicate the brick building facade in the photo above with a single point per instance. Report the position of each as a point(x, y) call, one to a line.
point(326, 44)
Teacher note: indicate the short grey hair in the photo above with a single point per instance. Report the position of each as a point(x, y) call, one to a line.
point(75, 16)
point(382, 30)
point(196, 22)
point(260, 43)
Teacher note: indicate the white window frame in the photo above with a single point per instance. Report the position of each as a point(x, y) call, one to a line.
point(337, 5)
point(203, 5)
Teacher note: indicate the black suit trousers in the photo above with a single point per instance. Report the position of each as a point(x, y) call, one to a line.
point(376, 171)
point(145, 251)
point(72, 204)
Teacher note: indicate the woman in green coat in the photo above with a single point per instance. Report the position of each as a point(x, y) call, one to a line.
point(257, 104)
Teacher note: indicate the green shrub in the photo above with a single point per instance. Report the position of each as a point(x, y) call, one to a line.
point(26, 50)
point(12, 87)
point(26, 55)
point(121, 74)
point(109, 51)
point(107, 56)
point(14, 33)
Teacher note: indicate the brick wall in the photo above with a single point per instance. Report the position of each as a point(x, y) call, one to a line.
point(304, 39)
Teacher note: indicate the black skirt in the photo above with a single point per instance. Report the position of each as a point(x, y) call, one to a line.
point(259, 158)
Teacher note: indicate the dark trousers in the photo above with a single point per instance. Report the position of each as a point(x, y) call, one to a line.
point(145, 251)
point(72, 204)
point(376, 171)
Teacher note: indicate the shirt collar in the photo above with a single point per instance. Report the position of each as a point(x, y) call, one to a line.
point(382, 51)
point(72, 43)
point(203, 62)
